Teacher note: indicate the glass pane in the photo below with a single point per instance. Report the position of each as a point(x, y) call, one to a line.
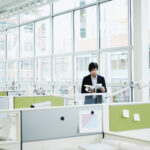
point(46, 87)
point(149, 90)
point(62, 34)
point(86, 29)
point(149, 45)
point(13, 43)
point(27, 70)
point(114, 24)
point(80, 3)
point(27, 89)
point(27, 40)
point(2, 45)
point(123, 96)
point(9, 22)
point(82, 63)
point(63, 5)
point(44, 70)
point(63, 89)
point(2, 87)
point(62, 69)
point(42, 38)
point(149, 62)
point(13, 71)
point(114, 66)
point(35, 13)
point(2, 71)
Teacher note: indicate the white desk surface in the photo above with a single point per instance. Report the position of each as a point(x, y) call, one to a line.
point(139, 134)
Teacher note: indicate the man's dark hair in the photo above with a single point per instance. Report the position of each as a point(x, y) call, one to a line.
point(93, 65)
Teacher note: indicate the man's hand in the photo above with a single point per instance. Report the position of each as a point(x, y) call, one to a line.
point(102, 89)
point(91, 90)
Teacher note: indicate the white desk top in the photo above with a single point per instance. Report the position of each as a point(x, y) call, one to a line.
point(140, 134)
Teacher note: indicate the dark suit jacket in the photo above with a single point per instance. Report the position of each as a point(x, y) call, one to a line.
point(88, 81)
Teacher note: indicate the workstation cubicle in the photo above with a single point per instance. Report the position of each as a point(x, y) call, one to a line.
point(90, 127)
point(56, 128)
point(10, 130)
point(10, 93)
point(128, 125)
point(3, 93)
point(19, 102)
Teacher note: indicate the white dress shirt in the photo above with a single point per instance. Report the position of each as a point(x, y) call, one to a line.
point(94, 82)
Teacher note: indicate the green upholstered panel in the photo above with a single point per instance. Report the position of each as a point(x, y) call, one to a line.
point(118, 123)
point(3, 93)
point(26, 102)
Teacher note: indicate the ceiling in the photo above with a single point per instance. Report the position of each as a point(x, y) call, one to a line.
point(6, 4)
point(12, 7)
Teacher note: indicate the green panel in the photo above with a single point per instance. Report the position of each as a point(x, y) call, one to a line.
point(3, 93)
point(119, 123)
point(26, 102)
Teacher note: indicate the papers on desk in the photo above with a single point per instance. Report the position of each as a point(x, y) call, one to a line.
point(90, 121)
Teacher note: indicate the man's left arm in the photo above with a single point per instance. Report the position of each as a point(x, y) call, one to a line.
point(103, 89)
point(104, 85)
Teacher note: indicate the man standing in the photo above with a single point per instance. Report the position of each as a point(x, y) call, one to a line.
point(92, 80)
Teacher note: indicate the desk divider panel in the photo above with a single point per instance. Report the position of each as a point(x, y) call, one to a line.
point(4, 102)
point(118, 123)
point(3, 93)
point(47, 124)
point(26, 102)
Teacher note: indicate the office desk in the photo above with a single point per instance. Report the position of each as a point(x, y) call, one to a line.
point(126, 140)
point(140, 134)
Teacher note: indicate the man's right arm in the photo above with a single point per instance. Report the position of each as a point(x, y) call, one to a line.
point(83, 87)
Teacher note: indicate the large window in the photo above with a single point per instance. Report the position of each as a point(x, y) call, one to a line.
point(56, 46)
point(43, 69)
point(63, 5)
point(86, 29)
point(9, 22)
point(42, 37)
point(149, 44)
point(2, 71)
point(2, 45)
point(13, 71)
point(62, 34)
point(114, 66)
point(27, 40)
point(35, 13)
point(114, 24)
point(62, 69)
point(13, 43)
point(82, 62)
point(63, 89)
point(27, 70)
